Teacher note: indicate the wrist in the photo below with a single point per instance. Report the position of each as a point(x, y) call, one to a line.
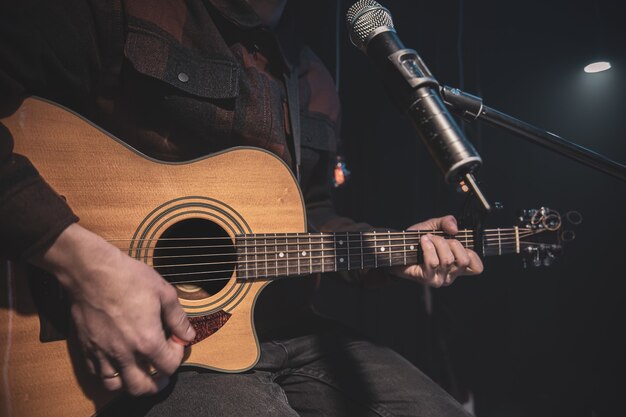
point(74, 249)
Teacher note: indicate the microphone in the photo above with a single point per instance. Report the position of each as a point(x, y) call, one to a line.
point(413, 89)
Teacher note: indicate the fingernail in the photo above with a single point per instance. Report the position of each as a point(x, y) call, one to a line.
point(191, 333)
point(426, 239)
point(178, 340)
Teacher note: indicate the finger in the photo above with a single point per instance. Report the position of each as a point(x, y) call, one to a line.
point(137, 381)
point(161, 379)
point(461, 261)
point(446, 261)
point(444, 253)
point(476, 264)
point(166, 359)
point(108, 373)
point(448, 224)
point(174, 316)
point(431, 261)
point(461, 257)
point(90, 361)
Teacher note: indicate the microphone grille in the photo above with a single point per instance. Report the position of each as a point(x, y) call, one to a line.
point(364, 18)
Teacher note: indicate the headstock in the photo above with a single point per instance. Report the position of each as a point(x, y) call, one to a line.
point(538, 236)
point(541, 234)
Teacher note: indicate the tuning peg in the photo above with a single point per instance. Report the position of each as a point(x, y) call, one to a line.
point(574, 217)
point(536, 260)
point(549, 259)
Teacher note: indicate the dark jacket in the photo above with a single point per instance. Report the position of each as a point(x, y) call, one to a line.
point(175, 80)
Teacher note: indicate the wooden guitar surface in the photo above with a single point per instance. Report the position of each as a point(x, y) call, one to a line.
point(133, 200)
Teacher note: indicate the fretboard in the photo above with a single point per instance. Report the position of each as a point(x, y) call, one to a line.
point(292, 254)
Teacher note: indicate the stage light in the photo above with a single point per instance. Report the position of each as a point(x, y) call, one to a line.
point(597, 67)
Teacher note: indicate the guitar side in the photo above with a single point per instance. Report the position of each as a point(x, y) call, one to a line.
point(120, 194)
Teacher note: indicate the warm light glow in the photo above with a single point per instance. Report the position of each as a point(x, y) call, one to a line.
point(597, 67)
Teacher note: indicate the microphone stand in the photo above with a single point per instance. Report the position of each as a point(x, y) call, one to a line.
point(470, 107)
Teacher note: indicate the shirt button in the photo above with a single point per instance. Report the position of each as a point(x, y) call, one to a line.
point(183, 78)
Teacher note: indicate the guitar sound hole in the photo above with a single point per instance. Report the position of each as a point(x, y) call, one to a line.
point(195, 253)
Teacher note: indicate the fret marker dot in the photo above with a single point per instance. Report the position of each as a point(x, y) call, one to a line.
point(412, 247)
point(282, 255)
point(341, 242)
point(303, 253)
point(382, 249)
point(340, 259)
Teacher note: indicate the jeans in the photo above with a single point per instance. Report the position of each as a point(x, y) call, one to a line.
point(328, 372)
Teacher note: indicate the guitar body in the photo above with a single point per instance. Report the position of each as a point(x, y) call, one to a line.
point(133, 201)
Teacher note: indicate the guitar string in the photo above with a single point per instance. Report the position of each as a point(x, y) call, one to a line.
point(305, 258)
point(306, 241)
point(334, 237)
point(467, 243)
point(305, 235)
point(256, 270)
point(408, 233)
point(316, 242)
point(286, 244)
point(318, 248)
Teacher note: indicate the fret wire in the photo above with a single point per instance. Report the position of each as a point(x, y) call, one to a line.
point(276, 250)
point(335, 253)
point(322, 253)
point(389, 242)
point(310, 259)
point(362, 257)
point(348, 244)
point(256, 264)
point(286, 252)
point(246, 270)
point(404, 244)
point(375, 257)
point(265, 253)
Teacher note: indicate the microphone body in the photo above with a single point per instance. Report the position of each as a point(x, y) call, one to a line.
point(412, 88)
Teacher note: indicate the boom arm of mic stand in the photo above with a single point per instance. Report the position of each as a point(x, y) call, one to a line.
point(472, 108)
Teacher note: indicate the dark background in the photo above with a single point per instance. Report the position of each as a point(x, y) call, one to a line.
point(524, 342)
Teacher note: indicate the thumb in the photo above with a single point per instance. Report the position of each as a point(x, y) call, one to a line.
point(447, 224)
point(175, 317)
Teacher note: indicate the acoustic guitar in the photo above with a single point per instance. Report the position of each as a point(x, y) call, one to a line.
point(219, 228)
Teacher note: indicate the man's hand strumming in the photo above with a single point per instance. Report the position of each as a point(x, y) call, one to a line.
point(123, 311)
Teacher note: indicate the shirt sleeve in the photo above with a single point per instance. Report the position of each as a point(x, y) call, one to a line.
point(46, 49)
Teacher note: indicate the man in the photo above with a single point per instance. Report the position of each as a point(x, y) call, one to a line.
point(159, 75)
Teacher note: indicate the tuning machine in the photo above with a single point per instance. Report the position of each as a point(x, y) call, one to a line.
point(541, 234)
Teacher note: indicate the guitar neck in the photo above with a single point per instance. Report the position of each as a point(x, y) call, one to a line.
point(293, 254)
